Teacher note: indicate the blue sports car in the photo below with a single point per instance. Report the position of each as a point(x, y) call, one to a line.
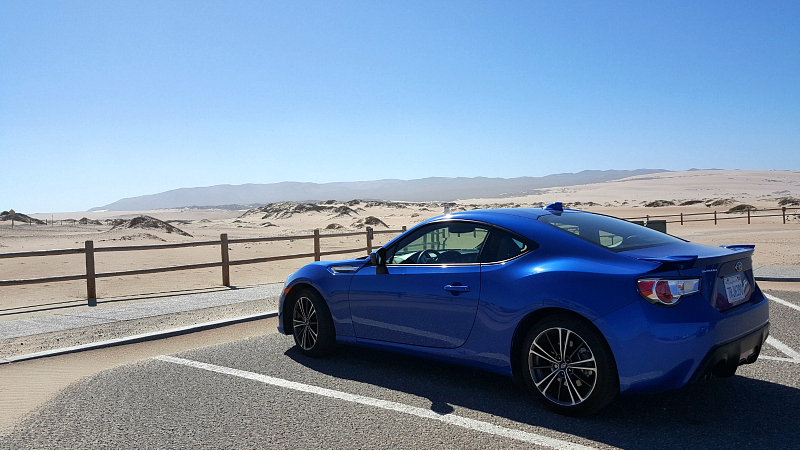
point(582, 306)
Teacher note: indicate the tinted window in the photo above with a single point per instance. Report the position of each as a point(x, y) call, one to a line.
point(442, 243)
point(503, 245)
point(614, 234)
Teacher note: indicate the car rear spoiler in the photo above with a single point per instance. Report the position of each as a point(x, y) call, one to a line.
point(681, 262)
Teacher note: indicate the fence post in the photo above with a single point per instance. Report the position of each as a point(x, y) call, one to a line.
point(748, 216)
point(370, 234)
point(91, 286)
point(715, 217)
point(317, 255)
point(784, 215)
point(681, 218)
point(226, 267)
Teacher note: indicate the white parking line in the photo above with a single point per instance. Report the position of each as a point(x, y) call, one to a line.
point(451, 419)
point(794, 356)
point(783, 348)
point(782, 302)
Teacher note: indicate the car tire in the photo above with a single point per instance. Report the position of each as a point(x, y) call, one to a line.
point(312, 325)
point(577, 375)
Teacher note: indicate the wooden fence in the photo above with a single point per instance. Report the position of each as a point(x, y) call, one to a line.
point(682, 217)
point(91, 274)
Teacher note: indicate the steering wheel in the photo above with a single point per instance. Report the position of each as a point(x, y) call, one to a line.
point(427, 257)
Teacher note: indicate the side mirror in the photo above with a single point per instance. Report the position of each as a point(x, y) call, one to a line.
point(378, 259)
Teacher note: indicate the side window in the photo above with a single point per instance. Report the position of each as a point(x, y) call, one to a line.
point(503, 245)
point(442, 243)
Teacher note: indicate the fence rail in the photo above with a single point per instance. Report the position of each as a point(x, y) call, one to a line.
point(91, 275)
point(681, 217)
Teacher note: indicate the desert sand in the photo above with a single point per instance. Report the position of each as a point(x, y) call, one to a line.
point(706, 191)
point(699, 191)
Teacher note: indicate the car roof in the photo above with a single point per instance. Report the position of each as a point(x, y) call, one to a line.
point(488, 214)
point(504, 217)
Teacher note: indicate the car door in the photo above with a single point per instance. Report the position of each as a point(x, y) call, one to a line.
point(429, 297)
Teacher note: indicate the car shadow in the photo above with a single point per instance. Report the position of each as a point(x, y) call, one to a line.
point(738, 411)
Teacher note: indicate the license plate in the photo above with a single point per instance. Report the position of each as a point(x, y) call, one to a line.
point(735, 287)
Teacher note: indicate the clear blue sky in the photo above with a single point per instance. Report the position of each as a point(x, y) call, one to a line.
point(101, 100)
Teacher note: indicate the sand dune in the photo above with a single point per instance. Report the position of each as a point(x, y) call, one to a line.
point(698, 191)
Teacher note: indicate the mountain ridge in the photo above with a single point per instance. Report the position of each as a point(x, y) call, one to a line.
point(416, 190)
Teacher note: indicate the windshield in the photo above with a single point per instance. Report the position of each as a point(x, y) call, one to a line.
point(608, 232)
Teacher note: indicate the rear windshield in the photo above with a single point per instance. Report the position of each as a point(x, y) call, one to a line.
point(608, 232)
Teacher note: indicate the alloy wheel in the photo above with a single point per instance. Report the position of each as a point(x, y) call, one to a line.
point(306, 327)
point(562, 366)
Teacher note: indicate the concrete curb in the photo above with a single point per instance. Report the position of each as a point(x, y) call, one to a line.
point(140, 337)
point(778, 279)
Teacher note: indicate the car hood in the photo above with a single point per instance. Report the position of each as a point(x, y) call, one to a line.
point(342, 266)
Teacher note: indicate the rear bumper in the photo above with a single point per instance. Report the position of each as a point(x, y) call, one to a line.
point(723, 359)
point(658, 349)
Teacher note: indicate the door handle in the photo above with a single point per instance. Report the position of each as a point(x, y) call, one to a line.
point(456, 288)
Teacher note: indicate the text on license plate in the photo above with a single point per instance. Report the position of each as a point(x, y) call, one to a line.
point(735, 287)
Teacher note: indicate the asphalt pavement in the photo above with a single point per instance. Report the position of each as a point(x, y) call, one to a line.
point(262, 393)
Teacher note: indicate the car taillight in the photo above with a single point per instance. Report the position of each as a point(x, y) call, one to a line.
point(664, 292)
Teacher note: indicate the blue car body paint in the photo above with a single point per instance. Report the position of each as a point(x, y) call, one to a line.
point(655, 348)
